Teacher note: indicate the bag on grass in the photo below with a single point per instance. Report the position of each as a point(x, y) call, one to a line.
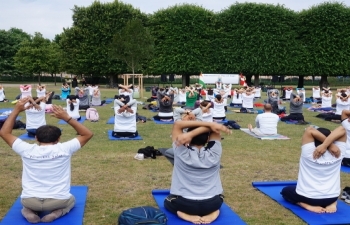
point(92, 115)
point(148, 151)
point(142, 215)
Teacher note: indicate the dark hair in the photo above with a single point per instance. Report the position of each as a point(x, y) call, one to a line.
point(200, 139)
point(325, 132)
point(326, 91)
point(48, 134)
point(125, 97)
point(343, 94)
point(218, 97)
point(71, 97)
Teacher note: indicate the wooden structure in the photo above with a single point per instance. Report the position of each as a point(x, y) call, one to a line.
point(137, 76)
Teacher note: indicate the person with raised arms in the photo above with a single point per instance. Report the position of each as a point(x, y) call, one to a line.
point(40, 91)
point(266, 123)
point(35, 114)
point(46, 172)
point(125, 117)
point(196, 189)
point(73, 107)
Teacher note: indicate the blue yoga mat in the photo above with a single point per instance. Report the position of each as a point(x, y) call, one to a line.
point(163, 122)
point(222, 121)
point(83, 118)
point(236, 105)
point(273, 189)
point(26, 137)
point(226, 217)
point(5, 110)
point(5, 117)
point(111, 120)
point(109, 100)
point(122, 139)
point(75, 216)
point(345, 169)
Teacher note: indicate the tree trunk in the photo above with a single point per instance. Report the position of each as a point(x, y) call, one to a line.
point(301, 82)
point(324, 82)
point(39, 79)
point(256, 80)
point(133, 72)
point(185, 80)
point(55, 79)
point(248, 79)
point(111, 81)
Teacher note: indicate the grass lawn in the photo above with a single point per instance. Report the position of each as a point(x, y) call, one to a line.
point(117, 181)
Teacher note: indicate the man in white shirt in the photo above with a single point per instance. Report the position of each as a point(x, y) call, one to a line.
point(318, 185)
point(266, 123)
point(35, 114)
point(46, 166)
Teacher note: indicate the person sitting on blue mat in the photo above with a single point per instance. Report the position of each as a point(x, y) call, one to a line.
point(125, 117)
point(248, 99)
point(196, 189)
point(318, 185)
point(35, 114)
point(73, 107)
point(165, 104)
point(84, 98)
point(219, 113)
point(295, 109)
point(266, 123)
point(342, 103)
point(46, 165)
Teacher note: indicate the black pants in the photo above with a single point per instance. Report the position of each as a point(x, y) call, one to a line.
point(219, 118)
point(331, 117)
point(125, 134)
point(289, 194)
point(175, 203)
point(293, 116)
point(159, 118)
point(346, 162)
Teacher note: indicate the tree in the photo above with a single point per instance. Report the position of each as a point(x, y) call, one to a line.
point(133, 45)
point(54, 59)
point(9, 44)
point(32, 56)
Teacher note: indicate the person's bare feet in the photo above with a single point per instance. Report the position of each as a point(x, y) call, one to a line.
point(30, 215)
point(250, 127)
point(52, 216)
point(190, 218)
point(315, 209)
point(332, 208)
point(210, 217)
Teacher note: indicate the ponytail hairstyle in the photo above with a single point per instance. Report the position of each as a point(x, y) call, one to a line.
point(71, 97)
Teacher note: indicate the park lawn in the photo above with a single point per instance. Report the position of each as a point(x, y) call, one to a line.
point(117, 181)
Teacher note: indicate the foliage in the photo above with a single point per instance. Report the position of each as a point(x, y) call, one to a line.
point(183, 35)
point(133, 44)
point(9, 44)
point(86, 44)
point(33, 55)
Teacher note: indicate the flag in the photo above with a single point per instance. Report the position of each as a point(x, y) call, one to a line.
point(201, 80)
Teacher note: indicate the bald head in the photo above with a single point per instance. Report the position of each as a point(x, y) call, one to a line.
point(267, 107)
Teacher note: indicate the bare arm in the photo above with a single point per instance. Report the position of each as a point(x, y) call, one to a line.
point(84, 133)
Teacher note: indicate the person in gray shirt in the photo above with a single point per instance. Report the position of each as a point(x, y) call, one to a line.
point(196, 189)
point(296, 109)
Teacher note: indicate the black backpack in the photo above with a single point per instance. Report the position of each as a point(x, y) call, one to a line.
point(142, 215)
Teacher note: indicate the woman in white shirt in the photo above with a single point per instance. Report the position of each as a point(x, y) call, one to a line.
point(125, 117)
point(248, 99)
point(207, 111)
point(236, 97)
point(35, 115)
point(2, 94)
point(40, 91)
point(182, 95)
point(219, 108)
point(73, 107)
point(26, 90)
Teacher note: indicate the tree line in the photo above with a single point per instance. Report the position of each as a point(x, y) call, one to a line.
point(107, 39)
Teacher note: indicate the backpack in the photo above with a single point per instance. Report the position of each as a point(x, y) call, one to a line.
point(148, 151)
point(92, 115)
point(142, 215)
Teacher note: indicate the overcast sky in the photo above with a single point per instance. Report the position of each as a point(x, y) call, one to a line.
point(49, 17)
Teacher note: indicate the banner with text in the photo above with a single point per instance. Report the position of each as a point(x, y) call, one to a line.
point(223, 78)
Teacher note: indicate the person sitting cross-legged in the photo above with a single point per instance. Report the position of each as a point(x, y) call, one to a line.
point(196, 189)
point(35, 114)
point(165, 104)
point(125, 117)
point(46, 172)
point(73, 107)
point(266, 123)
point(295, 109)
point(318, 185)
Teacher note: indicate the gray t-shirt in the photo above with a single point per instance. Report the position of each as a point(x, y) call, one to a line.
point(196, 174)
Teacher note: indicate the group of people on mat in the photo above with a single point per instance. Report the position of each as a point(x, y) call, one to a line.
point(196, 193)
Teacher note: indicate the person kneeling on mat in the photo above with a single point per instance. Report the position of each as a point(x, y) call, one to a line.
point(125, 117)
point(46, 165)
point(196, 189)
point(318, 185)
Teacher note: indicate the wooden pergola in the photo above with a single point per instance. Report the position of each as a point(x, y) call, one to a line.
point(137, 76)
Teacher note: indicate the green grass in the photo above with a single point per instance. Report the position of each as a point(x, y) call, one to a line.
point(117, 181)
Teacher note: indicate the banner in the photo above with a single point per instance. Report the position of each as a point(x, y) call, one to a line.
point(223, 78)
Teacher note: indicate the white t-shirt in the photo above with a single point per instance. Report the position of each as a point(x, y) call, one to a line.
point(2, 94)
point(346, 125)
point(126, 93)
point(301, 91)
point(208, 116)
point(46, 168)
point(319, 178)
point(26, 93)
point(41, 93)
point(35, 118)
point(267, 123)
point(218, 109)
point(288, 93)
point(257, 93)
point(341, 105)
point(75, 113)
point(236, 99)
point(182, 96)
point(326, 102)
point(125, 121)
point(316, 93)
point(248, 101)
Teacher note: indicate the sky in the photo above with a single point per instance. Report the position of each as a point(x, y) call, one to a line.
point(49, 17)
